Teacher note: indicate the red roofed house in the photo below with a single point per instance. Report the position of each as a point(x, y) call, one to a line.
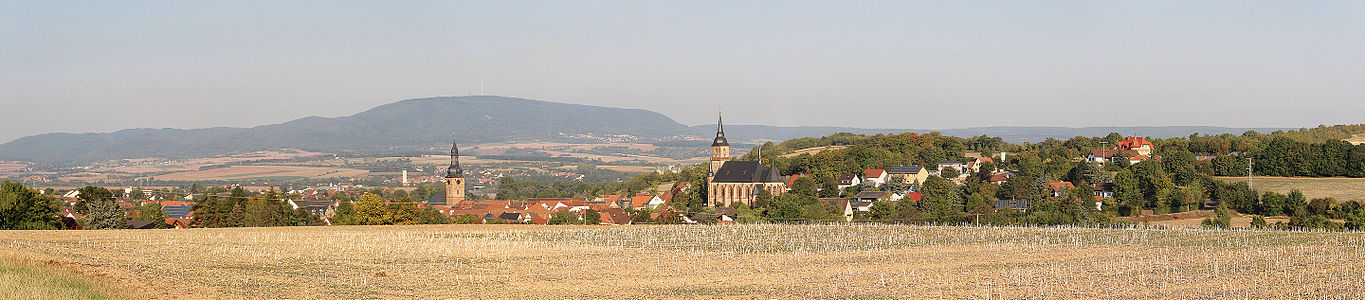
point(912, 196)
point(974, 166)
point(876, 176)
point(793, 178)
point(1136, 143)
point(997, 179)
point(650, 201)
point(1058, 187)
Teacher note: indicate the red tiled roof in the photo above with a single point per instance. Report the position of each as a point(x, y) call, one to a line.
point(1057, 185)
point(913, 196)
point(873, 173)
point(792, 180)
point(1133, 142)
point(640, 201)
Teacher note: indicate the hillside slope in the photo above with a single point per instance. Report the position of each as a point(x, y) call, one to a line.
point(408, 125)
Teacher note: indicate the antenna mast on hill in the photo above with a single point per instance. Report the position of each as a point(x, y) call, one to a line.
point(1250, 175)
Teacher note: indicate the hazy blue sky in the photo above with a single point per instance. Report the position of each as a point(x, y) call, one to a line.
point(96, 66)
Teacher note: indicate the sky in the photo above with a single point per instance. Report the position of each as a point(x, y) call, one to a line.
point(102, 66)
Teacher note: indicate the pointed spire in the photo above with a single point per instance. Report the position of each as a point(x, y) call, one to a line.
point(720, 124)
point(454, 170)
point(720, 131)
point(760, 154)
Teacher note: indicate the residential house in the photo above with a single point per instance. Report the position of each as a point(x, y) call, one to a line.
point(1104, 190)
point(997, 179)
point(955, 165)
point(319, 207)
point(1015, 204)
point(614, 216)
point(1136, 144)
point(974, 166)
point(645, 201)
point(873, 196)
point(878, 177)
point(1104, 156)
point(843, 205)
point(910, 174)
point(848, 180)
point(179, 212)
point(860, 207)
point(1059, 187)
point(179, 223)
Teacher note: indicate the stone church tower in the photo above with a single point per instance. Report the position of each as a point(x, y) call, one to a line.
point(454, 177)
point(720, 149)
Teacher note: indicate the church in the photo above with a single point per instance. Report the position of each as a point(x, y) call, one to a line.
point(729, 182)
point(454, 177)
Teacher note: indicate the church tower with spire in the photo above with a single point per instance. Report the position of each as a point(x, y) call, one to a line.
point(720, 148)
point(454, 177)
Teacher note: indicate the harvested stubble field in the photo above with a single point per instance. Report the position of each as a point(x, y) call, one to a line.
point(743, 261)
point(262, 171)
point(1342, 189)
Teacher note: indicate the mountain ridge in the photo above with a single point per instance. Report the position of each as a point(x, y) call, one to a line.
point(423, 124)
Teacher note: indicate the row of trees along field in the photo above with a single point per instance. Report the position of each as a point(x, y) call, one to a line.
point(373, 210)
point(240, 208)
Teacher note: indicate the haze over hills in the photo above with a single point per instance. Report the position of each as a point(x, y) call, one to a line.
point(418, 125)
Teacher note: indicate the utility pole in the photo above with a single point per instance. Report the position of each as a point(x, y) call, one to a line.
point(1250, 175)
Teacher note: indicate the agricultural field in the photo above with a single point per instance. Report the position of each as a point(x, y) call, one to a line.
point(262, 171)
point(812, 151)
point(740, 261)
point(1343, 189)
point(1356, 139)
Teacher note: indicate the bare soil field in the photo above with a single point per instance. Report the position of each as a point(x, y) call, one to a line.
point(689, 262)
point(812, 151)
point(1356, 139)
point(1343, 189)
point(1195, 219)
point(137, 166)
point(248, 172)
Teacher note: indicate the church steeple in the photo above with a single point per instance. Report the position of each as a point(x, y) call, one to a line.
point(720, 133)
point(454, 170)
point(720, 148)
point(454, 177)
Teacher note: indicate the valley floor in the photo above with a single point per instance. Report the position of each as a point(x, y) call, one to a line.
point(741, 261)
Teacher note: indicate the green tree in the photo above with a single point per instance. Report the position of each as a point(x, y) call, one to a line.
point(1127, 191)
point(592, 217)
point(370, 211)
point(941, 200)
point(1222, 218)
point(950, 172)
point(1273, 204)
point(104, 213)
point(152, 212)
point(430, 215)
point(563, 217)
point(882, 210)
point(23, 208)
point(1258, 222)
point(402, 211)
point(468, 219)
point(345, 214)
